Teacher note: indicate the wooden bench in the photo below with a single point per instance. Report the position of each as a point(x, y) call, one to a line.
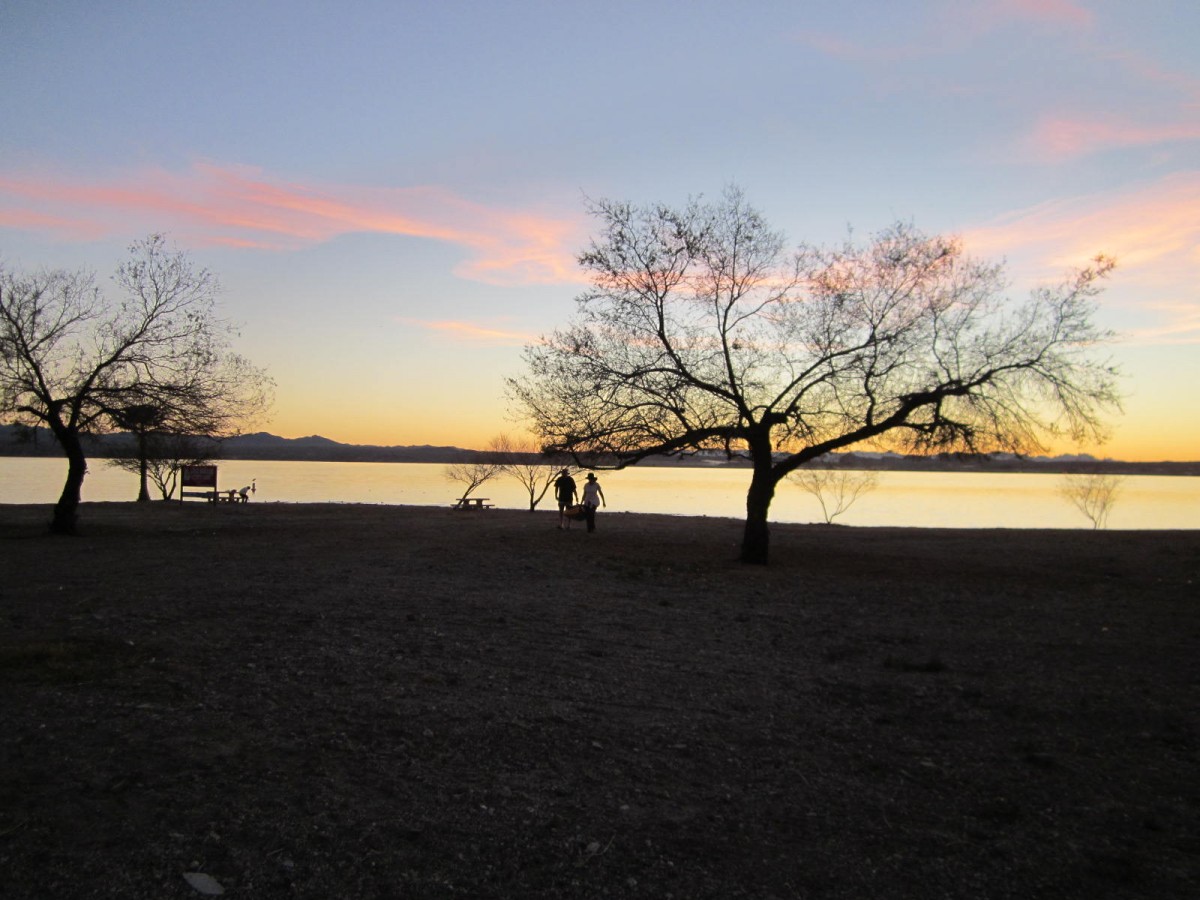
point(472, 503)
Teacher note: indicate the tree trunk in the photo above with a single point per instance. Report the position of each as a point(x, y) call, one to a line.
point(143, 466)
point(756, 538)
point(66, 510)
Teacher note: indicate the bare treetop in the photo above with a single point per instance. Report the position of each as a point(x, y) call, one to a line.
point(702, 332)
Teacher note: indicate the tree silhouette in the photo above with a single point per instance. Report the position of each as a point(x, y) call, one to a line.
point(77, 361)
point(1094, 495)
point(535, 471)
point(700, 332)
point(835, 489)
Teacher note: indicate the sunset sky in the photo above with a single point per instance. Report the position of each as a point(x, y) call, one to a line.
point(392, 193)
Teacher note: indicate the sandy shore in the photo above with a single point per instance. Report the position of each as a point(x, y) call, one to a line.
point(367, 701)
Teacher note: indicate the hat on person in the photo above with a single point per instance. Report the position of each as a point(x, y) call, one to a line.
point(591, 476)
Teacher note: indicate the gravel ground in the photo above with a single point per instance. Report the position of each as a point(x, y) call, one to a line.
point(327, 701)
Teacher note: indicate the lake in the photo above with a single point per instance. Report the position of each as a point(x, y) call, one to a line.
point(917, 499)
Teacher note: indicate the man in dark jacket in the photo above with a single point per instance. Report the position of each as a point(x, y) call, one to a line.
point(565, 492)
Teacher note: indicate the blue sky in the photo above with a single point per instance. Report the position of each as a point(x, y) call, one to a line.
point(392, 194)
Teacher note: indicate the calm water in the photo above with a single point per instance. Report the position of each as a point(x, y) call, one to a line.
point(922, 499)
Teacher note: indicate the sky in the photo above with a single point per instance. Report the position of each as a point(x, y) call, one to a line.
point(393, 194)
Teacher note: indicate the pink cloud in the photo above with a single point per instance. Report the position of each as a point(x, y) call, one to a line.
point(1152, 225)
point(851, 51)
point(1153, 232)
point(1152, 72)
point(1061, 139)
point(243, 207)
point(951, 25)
point(21, 219)
point(967, 20)
point(475, 333)
point(1053, 12)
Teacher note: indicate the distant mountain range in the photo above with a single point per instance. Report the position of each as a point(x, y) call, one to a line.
point(314, 447)
point(19, 441)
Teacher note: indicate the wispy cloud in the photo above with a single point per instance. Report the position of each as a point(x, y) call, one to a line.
point(1060, 139)
point(1051, 12)
point(1153, 226)
point(474, 332)
point(1167, 111)
point(1153, 231)
point(951, 26)
point(1152, 72)
point(853, 51)
point(244, 207)
point(1179, 326)
point(73, 228)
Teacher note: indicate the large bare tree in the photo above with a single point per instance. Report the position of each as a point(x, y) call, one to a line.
point(78, 361)
point(701, 331)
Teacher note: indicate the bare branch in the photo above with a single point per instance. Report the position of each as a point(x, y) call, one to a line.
point(1094, 495)
point(700, 332)
point(79, 362)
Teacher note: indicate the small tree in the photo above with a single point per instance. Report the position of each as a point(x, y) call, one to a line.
point(141, 420)
point(536, 471)
point(1094, 495)
point(835, 489)
point(158, 458)
point(79, 362)
point(472, 475)
point(700, 332)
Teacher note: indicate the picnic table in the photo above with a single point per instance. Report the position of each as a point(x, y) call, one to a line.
point(472, 503)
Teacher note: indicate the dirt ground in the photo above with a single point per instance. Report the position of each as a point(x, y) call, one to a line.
point(327, 701)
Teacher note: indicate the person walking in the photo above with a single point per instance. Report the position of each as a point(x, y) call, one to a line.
point(565, 492)
point(593, 497)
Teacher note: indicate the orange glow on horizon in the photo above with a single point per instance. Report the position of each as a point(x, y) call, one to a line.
point(1184, 448)
point(474, 428)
